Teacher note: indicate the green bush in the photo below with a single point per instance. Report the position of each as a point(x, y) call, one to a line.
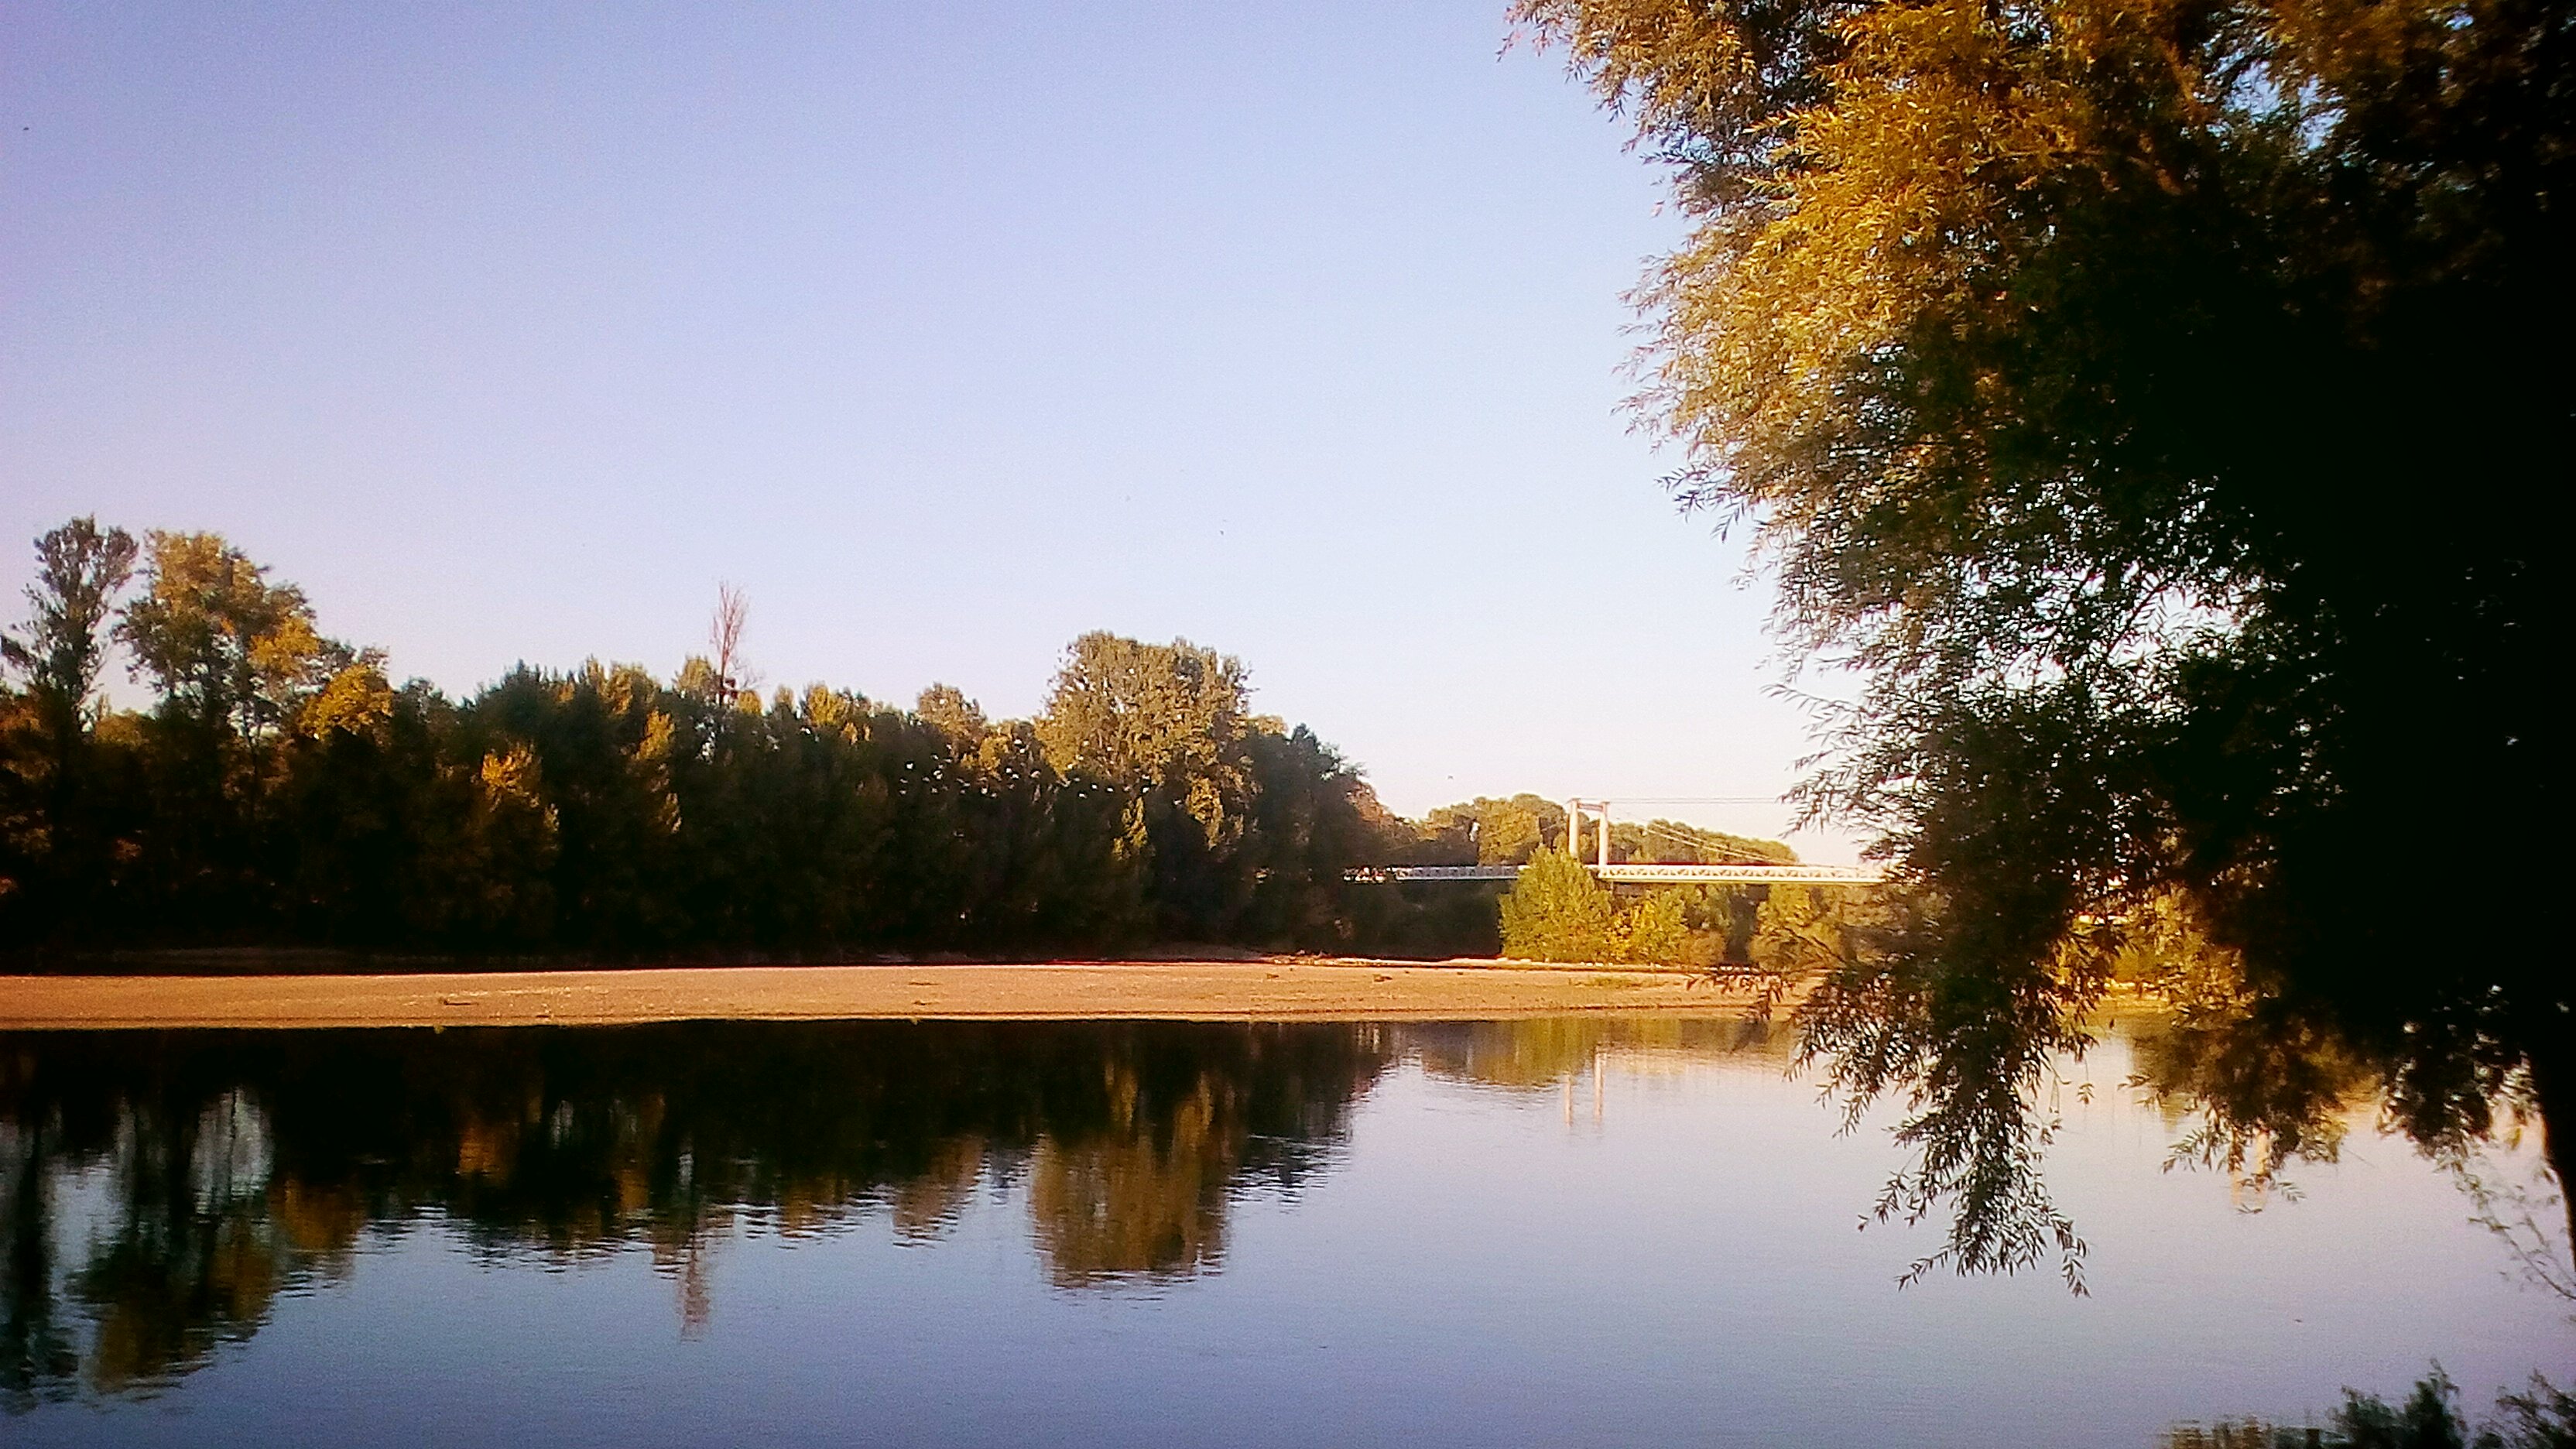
point(1558, 912)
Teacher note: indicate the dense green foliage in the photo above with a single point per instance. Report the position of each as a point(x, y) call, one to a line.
point(2157, 402)
point(1556, 911)
point(1513, 830)
point(284, 792)
point(2541, 1417)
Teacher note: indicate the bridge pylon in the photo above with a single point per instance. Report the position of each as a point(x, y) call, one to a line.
point(1574, 809)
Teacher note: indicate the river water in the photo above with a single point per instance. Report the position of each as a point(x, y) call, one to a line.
point(1543, 1233)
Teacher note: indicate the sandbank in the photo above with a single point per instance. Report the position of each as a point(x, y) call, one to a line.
point(1282, 989)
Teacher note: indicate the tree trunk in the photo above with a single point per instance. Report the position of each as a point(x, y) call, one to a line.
point(2553, 1081)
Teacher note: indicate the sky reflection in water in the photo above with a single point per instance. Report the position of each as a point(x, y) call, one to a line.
point(1535, 1232)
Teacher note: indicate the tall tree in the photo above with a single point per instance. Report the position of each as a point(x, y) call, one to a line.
point(229, 650)
point(1167, 723)
point(2158, 402)
point(724, 641)
point(55, 823)
point(959, 720)
point(1138, 713)
point(80, 568)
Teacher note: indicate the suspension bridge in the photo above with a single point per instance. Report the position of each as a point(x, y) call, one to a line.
point(1644, 872)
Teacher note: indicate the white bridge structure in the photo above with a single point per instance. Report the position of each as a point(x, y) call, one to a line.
point(1638, 872)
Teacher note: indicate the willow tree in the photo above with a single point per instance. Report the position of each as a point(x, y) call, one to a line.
point(2164, 406)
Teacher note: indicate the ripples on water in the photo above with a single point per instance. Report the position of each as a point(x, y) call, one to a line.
point(1535, 1232)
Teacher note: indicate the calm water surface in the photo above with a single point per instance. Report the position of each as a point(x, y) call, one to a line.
point(1548, 1233)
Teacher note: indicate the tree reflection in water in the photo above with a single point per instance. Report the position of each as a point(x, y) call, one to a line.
point(2252, 1087)
point(159, 1191)
point(212, 1172)
point(1544, 1052)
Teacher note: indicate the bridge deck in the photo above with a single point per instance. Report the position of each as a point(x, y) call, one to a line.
point(1644, 872)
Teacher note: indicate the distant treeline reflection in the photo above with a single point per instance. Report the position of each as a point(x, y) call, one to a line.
point(221, 1169)
point(160, 1191)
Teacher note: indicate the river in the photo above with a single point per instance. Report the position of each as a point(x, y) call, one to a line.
point(1583, 1232)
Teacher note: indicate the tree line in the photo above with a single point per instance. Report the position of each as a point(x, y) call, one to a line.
point(281, 790)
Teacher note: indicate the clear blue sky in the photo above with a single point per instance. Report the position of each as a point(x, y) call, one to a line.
point(947, 331)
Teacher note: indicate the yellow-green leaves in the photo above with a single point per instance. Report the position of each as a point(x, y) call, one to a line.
point(357, 700)
point(1556, 911)
point(227, 647)
point(1168, 719)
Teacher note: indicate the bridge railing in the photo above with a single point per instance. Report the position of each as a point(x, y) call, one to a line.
point(1786, 874)
point(1644, 873)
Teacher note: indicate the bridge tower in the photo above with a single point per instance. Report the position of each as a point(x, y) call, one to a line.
point(1600, 809)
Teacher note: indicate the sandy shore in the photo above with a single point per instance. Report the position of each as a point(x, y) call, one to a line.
point(1308, 989)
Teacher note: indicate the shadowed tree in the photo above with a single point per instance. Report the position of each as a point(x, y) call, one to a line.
point(237, 661)
point(1307, 831)
point(80, 568)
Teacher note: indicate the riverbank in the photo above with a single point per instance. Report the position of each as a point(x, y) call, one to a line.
point(1279, 989)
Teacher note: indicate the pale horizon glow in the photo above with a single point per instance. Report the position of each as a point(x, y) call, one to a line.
point(948, 334)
